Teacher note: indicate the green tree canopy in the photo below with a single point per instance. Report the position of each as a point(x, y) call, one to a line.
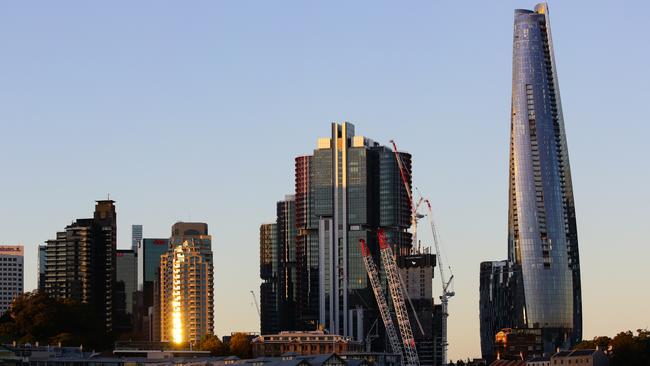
point(212, 343)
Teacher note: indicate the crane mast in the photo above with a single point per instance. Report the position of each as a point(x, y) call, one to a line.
point(371, 268)
point(446, 284)
point(397, 294)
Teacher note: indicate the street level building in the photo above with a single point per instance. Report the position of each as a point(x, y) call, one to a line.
point(303, 343)
point(80, 262)
point(186, 285)
point(11, 274)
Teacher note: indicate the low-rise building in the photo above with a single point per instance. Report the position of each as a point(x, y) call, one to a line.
point(582, 357)
point(303, 343)
point(518, 343)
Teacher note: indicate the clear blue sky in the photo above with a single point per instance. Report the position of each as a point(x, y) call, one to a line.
point(195, 110)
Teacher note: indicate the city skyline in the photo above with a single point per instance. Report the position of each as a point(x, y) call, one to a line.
point(143, 134)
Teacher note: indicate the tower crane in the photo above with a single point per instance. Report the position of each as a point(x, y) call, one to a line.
point(257, 306)
point(447, 286)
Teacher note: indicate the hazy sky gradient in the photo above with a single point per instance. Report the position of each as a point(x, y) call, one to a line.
point(195, 111)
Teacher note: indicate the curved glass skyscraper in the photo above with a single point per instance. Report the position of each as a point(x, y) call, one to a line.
point(542, 235)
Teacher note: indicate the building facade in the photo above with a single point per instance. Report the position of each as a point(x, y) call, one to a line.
point(303, 343)
point(42, 249)
point(269, 289)
point(542, 235)
point(417, 271)
point(136, 237)
point(80, 262)
point(126, 266)
point(148, 258)
point(12, 274)
point(498, 300)
point(348, 188)
point(186, 285)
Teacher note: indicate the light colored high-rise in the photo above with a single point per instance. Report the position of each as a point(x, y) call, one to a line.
point(11, 274)
point(186, 285)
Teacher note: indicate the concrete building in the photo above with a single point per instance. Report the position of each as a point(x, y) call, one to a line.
point(303, 343)
point(80, 262)
point(12, 275)
point(417, 271)
point(186, 284)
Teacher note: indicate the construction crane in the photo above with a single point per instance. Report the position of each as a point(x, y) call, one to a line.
point(447, 287)
point(447, 291)
point(371, 268)
point(257, 306)
point(397, 294)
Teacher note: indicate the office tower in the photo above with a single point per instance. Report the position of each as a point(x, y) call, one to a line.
point(347, 189)
point(148, 258)
point(286, 231)
point(80, 262)
point(498, 302)
point(542, 235)
point(126, 285)
point(416, 270)
point(278, 269)
point(269, 289)
point(41, 267)
point(186, 284)
point(11, 274)
point(136, 237)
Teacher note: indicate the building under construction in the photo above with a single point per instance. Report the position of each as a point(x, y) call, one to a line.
point(350, 189)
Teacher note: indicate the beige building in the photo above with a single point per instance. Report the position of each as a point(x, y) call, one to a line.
point(186, 285)
point(303, 343)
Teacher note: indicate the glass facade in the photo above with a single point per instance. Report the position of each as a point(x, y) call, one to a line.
point(542, 230)
point(347, 189)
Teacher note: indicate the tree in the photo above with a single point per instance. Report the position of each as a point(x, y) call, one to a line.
point(212, 343)
point(37, 317)
point(240, 345)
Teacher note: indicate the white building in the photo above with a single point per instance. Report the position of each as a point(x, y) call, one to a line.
point(11, 274)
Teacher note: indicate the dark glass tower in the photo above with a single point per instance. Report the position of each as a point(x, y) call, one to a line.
point(542, 235)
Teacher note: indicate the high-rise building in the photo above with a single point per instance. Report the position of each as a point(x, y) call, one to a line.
point(136, 237)
point(269, 289)
point(542, 234)
point(347, 189)
point(416, 270)
point(125, 287)
point(278, 269)
point(186, 284)
point(148, 257)
point(41, 266)
point(80, 262)
point(498, 302)
point(11, 274)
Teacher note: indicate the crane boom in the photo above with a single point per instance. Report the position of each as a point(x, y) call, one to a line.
point(257, 306)
point(397, 294)
point(371, 268)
